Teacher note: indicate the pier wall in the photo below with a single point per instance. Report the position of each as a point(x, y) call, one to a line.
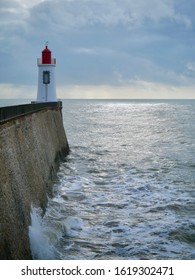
point(31, 147)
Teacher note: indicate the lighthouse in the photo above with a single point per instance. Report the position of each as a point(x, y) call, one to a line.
point(46, 77)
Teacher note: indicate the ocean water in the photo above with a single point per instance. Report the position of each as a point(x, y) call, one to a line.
point(127, 188)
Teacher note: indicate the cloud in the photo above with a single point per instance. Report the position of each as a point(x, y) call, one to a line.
point(129, 13)
point(191, 66)
point(117, 43)
point(28, 4)
point(89, 51)
point(97, 51)
point(57, 16)
point(137, 90)
point(11, 91)
point(11, 14)
point(15, 12)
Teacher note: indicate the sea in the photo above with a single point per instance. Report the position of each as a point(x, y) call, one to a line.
point(126, 190)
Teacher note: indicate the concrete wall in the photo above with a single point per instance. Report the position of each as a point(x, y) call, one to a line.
point(31, 147)
point(9, 112)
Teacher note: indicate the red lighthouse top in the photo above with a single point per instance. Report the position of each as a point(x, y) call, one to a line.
point(46, 56)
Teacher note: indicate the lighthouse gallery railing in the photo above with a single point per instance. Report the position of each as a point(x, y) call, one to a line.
point(40, 62)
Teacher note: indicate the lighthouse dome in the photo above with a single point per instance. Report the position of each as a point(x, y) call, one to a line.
point(46, 56)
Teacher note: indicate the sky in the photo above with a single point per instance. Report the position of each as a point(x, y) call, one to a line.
point(104, 48)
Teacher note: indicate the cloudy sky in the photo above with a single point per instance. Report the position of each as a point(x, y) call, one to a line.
point(104, 48)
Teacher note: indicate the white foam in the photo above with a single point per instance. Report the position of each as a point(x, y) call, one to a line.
point(39, 241)
point(73, 225)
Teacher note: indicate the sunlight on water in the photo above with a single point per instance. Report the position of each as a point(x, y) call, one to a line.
point(127, 188)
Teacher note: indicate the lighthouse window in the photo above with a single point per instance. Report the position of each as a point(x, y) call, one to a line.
point(46, 77)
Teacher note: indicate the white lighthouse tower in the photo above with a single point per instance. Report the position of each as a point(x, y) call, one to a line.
point(46, 77)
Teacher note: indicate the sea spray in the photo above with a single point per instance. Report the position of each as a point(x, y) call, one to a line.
point(40, 245)
point(46, 232)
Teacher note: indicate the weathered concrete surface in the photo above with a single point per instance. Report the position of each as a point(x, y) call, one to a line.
point(30, 150)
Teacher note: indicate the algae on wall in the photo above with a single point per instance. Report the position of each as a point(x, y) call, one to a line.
point(30, 149)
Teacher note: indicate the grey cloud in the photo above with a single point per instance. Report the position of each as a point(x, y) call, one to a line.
point(73, 14)
point(11, 13)
point(98, 41)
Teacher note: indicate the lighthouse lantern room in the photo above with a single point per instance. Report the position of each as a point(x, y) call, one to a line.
point(46, 77)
